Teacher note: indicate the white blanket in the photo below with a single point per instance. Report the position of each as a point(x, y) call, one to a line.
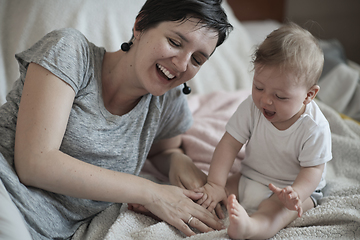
point(336, 217)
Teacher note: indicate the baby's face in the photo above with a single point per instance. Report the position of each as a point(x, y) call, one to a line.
point(278, 95)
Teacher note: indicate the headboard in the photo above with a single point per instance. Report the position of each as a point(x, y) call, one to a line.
point(246, 10)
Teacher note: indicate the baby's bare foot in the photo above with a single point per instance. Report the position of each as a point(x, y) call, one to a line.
point(239, 219)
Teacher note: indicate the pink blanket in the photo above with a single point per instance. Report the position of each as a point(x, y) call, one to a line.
point(211, 112)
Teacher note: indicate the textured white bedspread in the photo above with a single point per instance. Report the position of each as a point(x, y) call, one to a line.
point(336, 217)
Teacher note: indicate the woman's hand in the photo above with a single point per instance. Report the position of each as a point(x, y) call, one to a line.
point(170, 160)
point(183, 173)
point(176, 206)
point(167, 156)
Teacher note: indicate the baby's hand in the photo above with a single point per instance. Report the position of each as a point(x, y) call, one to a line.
point(288, 197)
point(213, 194)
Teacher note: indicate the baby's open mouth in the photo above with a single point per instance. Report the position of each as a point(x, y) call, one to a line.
point(164, 71)
point(268, 113)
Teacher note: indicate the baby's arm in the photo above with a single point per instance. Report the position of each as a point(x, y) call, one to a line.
point(223, 158)
point(303, 186)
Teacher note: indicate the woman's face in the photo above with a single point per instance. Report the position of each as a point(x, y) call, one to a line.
point(171, 53)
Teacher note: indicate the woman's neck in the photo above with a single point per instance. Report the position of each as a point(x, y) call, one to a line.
point(119, 96)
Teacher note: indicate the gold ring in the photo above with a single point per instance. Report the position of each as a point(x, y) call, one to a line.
point(189, 221)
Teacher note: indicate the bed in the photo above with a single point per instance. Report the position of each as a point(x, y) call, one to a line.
point(220, 86)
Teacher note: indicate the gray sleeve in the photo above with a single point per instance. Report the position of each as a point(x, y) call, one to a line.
point(176, 116)
point(63, 52)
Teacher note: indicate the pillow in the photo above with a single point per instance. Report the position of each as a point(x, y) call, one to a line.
point(339, 82)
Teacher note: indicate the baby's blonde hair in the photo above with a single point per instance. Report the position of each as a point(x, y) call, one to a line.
point(293, 49)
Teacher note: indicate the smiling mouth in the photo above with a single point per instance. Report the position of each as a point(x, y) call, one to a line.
point(268, 114)
point(165, 72)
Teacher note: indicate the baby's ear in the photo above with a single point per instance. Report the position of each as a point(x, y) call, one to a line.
point(311, 94)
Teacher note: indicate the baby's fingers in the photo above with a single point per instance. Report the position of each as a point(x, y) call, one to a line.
point(298, 207)
point(274, 189)
point(291, 194)
point(202, 200)
point(300, 211)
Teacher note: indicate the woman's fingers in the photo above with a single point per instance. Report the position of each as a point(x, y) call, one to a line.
point(204, 219)
point(211, 207)
point(182, 225)
point(197, 218)
point(186, 226)
point(219, 211)
point(202, 200)
point(195, 196)
point(197, 224)
point(207, 218)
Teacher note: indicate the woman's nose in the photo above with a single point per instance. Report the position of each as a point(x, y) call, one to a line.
point(181, 61)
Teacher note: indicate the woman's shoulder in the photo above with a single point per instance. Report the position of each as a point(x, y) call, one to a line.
point(66, 33)
point(66, 39)
point(64, 52)
point(59, 41)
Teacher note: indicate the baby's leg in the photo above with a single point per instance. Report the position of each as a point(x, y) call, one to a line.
point(270, 218)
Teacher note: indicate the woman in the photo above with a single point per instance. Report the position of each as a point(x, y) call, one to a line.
point(87, 119)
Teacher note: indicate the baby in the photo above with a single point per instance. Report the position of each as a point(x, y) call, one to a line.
point(288, 140)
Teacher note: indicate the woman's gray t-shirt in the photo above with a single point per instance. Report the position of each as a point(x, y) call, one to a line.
point(93, 135)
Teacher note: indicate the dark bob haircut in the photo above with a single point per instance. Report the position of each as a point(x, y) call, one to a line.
point(209, 12)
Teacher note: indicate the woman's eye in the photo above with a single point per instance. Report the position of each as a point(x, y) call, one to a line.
point(174, 43)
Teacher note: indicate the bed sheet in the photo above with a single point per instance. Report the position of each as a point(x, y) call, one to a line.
point(336, 217)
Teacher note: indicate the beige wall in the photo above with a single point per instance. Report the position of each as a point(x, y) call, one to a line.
point(332, 19)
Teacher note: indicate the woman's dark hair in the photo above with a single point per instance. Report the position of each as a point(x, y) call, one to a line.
point(210, 13)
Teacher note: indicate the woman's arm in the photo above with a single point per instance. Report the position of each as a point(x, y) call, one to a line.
point(43, 115)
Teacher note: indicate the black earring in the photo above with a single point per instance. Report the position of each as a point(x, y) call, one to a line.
point(186, 90)
point(126, 46)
